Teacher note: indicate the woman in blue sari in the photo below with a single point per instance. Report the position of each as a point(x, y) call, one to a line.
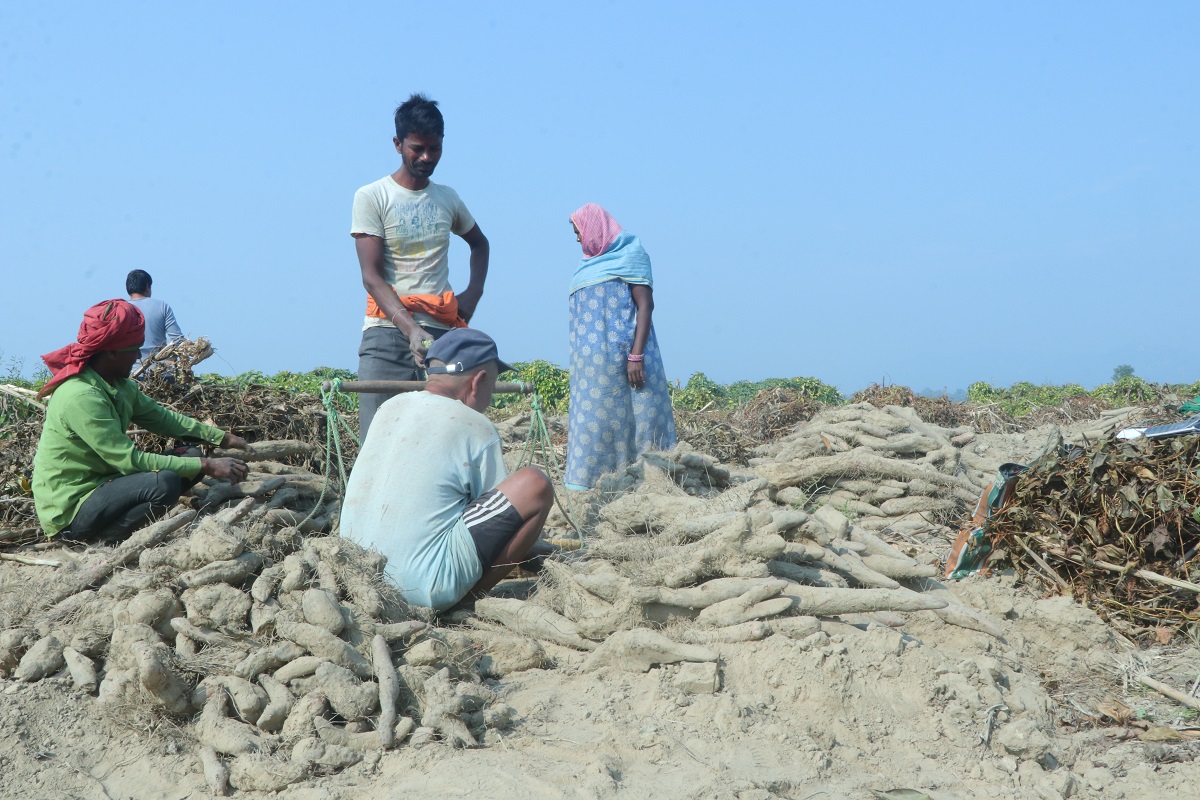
point(620, 404)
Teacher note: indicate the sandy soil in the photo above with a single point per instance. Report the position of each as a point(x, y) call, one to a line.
point(874, 708)
point(870, 704)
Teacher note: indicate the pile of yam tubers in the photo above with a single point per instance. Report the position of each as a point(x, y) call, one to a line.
point(293, 656)
point(287, 651)
point(688, 554)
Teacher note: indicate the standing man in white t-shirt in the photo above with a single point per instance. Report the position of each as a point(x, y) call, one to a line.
point(430, 490)
point(401, 226)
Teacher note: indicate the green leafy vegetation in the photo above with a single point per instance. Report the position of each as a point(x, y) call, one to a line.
point(291, 382)
point(1127, 391)
point(702, 392)
point(699, 392)
point(15, 409)
point(552, 382)
point(14, 374)
point(1024, 398)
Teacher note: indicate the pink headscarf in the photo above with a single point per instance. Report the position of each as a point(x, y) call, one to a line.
point(597, 229)
point(110, 325)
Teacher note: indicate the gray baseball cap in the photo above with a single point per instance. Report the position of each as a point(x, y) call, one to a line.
point(462, 350)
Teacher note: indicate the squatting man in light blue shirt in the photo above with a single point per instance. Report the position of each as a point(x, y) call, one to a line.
point(430, 490)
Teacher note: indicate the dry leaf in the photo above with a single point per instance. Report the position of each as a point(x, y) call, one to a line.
point(1115, 710)
point(1160, 733)
point(1159, 539)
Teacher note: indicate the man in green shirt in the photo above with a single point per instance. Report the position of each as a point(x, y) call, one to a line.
point(88, 478)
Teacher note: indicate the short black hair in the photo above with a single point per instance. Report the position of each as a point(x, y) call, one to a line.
point(137, 282)
point(418, 114)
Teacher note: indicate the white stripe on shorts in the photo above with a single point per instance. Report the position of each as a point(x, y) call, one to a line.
point(496, 500)
point(494, 506)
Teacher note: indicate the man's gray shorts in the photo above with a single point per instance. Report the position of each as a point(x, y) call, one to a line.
point(384, 356)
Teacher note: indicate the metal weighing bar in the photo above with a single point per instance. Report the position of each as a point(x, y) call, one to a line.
point(378, 387)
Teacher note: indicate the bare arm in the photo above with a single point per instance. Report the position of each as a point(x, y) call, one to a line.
point(468, 299)
point(370, 262)
point(643, 298)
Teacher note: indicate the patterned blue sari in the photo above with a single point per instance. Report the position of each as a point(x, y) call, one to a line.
point(610, 423)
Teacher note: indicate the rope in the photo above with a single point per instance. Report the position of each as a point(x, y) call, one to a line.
point(539, 439)
point(333, 443)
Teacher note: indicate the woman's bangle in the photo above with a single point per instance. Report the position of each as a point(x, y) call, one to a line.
point(393, 319)
point(633, 357)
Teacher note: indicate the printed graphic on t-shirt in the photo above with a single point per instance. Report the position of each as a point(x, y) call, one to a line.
point(421, 227)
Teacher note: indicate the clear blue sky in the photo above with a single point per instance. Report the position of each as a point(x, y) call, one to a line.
point(928, 193)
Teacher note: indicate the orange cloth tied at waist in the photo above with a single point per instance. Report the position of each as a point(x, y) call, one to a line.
point(442, 307)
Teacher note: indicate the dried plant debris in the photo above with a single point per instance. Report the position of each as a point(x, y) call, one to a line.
point(1115, 522)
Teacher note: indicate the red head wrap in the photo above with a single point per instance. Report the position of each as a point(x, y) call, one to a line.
point(110, 325)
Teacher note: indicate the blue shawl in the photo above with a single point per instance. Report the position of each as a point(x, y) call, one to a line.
point(625, 259)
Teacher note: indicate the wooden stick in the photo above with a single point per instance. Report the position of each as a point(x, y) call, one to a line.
point(1174, 694)
point(1146, 574)
point(33, 562)
point(19, 533)
point(1041, 562)
point(26, 395)
point(377, 387)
